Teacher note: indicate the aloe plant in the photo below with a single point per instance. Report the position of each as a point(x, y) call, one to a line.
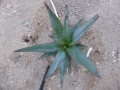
point(65, 45)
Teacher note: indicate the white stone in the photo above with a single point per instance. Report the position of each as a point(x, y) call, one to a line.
point(49, 88)
point(67, 70)
point(11, 81)
point(58, 85)
point(97, 63)
point(113, 53)
point(114, 61)
point(9, 6)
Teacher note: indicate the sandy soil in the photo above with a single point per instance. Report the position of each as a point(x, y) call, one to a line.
point(21, 19)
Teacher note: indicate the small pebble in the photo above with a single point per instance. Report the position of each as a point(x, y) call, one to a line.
point(113, 53)
point(11, 81)
point(118, 22)
point(76, 14)
point(67, 70)
point(49, 88)
point(114, 61)
point(13, 12)
point(97, 63)
point(59, 86)
point(26, 23)
point(9, 6)
point(71, 73)
point(73, 83)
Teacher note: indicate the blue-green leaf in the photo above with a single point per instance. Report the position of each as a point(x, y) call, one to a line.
point(78, 25)
point(80, 31)
point(66, 30)
point(55, 39)
point(63, 67)
point(47, 47)
point(56, 24)
point(59, 57)
point(80, 57)
point(80, 46)
point(47, 54)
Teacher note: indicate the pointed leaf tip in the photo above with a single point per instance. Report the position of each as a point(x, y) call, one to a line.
point(79, 57)
point(78, 25)
point(100, 77)
point(59, 57)
point(66, 7)
point(66, 32)
point(81, 30)
point(97, 75)
point(97, 15)
point(56, 24)
point(61, 82)
point(63, 67)
point(46, 47)
point(45, 4)
point(16, 51)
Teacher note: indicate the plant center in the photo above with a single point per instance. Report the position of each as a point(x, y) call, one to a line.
point(66, 45)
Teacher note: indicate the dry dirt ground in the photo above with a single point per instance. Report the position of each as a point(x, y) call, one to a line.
point(22, 20)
